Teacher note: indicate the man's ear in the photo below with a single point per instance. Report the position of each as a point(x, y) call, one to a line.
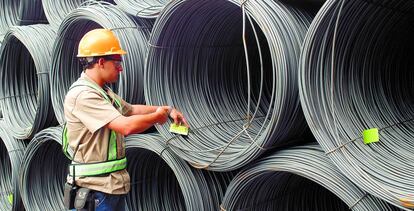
point(101, 61)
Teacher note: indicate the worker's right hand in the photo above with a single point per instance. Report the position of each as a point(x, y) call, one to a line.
point(162, 113)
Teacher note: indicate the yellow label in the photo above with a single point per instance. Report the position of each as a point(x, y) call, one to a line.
point(10, 198)
point(179, 129)
point(371, 135)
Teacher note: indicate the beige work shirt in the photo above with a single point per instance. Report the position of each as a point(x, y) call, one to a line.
point(87, 113)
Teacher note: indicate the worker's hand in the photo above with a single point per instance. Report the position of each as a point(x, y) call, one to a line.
point(178, 118)
point(162, 113)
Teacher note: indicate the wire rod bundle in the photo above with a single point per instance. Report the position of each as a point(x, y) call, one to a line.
point(197, 63)
point(132, 33)
point(356, 74)
point(56, 11)
point(9, 14)
point(142, 8)
point(162, 181)
point(25, 58)
point(43, 171)
point(299, 178)
point(11, 154)
point(20, 12)
point(31, 12)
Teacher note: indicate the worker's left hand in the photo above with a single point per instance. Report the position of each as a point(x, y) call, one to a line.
point(178, 118)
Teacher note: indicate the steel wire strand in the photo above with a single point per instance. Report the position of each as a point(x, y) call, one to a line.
point(43, 171)
point(197, 63)
point(299, 178)
point(356, 74)
point(133, 34)
point(56, 11)
point(25, 58)
point(142, 8)
point(11, 154)
point(160, 180)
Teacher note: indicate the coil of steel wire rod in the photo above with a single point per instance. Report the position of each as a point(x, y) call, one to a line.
point(179, 187)
point(132, 33)
point(162, 181)
point(299, 178)
point(31, 12)
point(43, 171)
point(11, 154)
point(355, 75)
point(25, 58)
point(56, 11)
point(197, 63)
point(9, 14)
point(142, 8)
point(1, 113)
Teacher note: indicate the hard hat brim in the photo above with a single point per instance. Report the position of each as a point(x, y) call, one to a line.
point(120, 52)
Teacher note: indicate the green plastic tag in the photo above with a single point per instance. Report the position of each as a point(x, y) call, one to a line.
point(179, 129)
point(10, 198)
point(371, 135)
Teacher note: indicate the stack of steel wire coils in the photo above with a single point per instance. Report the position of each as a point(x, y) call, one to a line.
point(356, 76)
point(11, 154)
point(238, 103)
point(142, 8)
point(159, 179)
point(132, 33)
point(56, 11)
point(162, 181)
point(25, 58)
point(301, 178)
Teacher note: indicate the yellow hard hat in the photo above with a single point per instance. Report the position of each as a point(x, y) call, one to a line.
point(99, 42)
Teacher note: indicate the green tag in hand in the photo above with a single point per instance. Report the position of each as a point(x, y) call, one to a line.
point(179, 129)
point(10, 198)
point(371, 135)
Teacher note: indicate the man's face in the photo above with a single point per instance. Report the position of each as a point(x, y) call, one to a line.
point(112, 66)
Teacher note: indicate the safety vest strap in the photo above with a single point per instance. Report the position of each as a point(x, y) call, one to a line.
point(95, 169)
point(65, 142)
point(112, 146)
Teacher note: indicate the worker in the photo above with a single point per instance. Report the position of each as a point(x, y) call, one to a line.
point(96, 122)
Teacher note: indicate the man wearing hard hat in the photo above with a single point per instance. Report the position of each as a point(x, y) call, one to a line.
point(96, 122)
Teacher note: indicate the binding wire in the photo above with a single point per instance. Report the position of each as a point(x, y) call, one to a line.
point(56, 11)
point(11, 154)
point(142, 8)
point(356, 74)
point(43, 171)
point(162, 181)
point(132, 33)
point(230, 67)
point(25, 58)
point(299, 178)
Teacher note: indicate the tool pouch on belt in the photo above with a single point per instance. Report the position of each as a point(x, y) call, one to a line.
point(69, 196)
point(84, 199)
